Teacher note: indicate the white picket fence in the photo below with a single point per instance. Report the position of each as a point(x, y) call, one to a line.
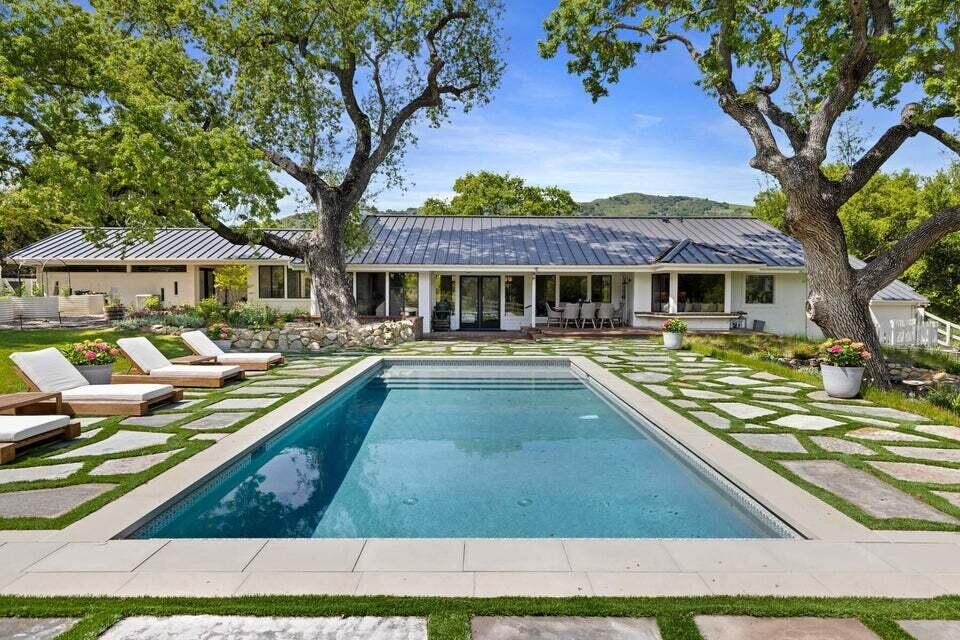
point(926, 330)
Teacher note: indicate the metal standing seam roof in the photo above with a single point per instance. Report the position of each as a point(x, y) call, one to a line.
point(402, 240)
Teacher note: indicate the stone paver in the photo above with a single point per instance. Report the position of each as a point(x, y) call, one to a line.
point(864, 490)
point(805, 422)
point(218, 420)
point(210, 436)
point(839, 445)
point(555, 628)
point(942, 430)
point(950, 496)
point(926, 453)
point(772, 442)
point(284, 381)
point(750, 628)
point(739, 381)
point(158, 420)
point(243, 403)
point(310, 372)
point(917, 472)
point(660, 390)
point(703, 394)
point(48, 503)
point(253, 391)
point(117, 443)
point(265, 628)
point(741, 410)
point(932, 629)
point(779, 389)
point(34, 628)
point(712, 419)
point(871, 411)
point(47, 472)
point(885, 435)
point(136, 464)
point(647, 376)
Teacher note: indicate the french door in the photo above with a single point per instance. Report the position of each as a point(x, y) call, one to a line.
point(479, 302)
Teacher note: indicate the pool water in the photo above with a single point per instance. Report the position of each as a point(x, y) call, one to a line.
point(426, 451)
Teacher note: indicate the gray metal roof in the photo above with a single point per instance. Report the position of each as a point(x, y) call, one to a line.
point(485, 241)
point(896, 291)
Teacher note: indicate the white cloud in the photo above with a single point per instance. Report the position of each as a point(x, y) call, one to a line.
point(644, 120)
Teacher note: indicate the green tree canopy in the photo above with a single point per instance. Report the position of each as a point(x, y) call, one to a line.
point(500, 194)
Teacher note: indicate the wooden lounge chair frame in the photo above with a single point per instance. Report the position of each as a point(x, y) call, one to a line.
point(244, 366)
point(10, 450)
point(105, 408)
point(136, 375)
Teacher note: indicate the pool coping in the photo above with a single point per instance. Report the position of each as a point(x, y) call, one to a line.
point(840, 556)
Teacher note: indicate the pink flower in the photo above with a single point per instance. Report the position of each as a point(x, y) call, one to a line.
point(836, 349)
point(102, 346)
point(90, 355)
point(114, 352)
point(78, 347)
point(866, 355)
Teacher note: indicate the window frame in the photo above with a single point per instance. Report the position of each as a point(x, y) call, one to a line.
point(302, 281)
point(272, 286)
point(682, 306)
point(772, 289)
point(511, 281)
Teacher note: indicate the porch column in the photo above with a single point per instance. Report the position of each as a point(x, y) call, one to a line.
point(315, 306)
point(386, 294)
point(674, 292)
point(640, 296)
point(727, 292)
point(424, 303)
point(533, 302)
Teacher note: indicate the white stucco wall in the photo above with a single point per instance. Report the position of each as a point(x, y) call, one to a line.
point(128, 285)
point(786, 315)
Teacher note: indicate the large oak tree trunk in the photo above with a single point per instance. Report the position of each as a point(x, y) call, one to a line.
point(324, 258)
point(835, 301)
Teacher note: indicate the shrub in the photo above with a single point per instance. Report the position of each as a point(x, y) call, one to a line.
point(946, 397)
point(296, 314)
point(210, 309)
point(220, 331)
point(255, 315)
point(188, 320)
point(803, 352)
point(675, 325)
point(91, 352)
point(153, 303)
point(843, 352)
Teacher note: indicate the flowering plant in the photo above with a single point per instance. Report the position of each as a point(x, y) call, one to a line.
point(674, 326)
point(220, 331)
point(91, 352)
point(843, 352)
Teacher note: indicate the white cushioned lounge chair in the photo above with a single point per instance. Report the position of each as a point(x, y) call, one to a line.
point(47, 370)
point(201, 345)
point(149, 365)
point(19, 432)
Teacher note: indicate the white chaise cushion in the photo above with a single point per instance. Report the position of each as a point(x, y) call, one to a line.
point(195, 371)
point(17, 428)
point(146, 356)
point(48, 370)
point(201, 344)
point(116, 392)
point(252, 358)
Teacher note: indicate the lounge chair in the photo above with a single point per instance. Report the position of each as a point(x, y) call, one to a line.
point(20, 432)
point(48, 370)
point(149, 365)
point(201, 345)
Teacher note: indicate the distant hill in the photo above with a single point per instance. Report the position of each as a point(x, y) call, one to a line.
point(644, 205)
point(640, 205)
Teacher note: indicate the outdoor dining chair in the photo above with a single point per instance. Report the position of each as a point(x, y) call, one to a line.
point(571, 311)
point(554, 315)
point(587, 312)
point(605, 314)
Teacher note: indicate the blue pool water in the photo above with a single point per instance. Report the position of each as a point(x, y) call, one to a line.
point(427, 451)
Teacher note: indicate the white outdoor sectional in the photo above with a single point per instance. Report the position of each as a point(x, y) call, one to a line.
point(491, 273)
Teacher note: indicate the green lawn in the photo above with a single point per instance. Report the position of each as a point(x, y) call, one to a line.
point(449, 618)
point(33, 339)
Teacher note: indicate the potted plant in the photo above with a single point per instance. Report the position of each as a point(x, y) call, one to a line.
point(222, 335)
point(114, 309)
point(673, 331)
point(841, 364)
point(93, 359)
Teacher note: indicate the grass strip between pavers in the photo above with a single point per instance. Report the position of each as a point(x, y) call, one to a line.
point(449, 618)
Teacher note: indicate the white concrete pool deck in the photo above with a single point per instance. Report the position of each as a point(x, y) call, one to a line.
point(839, 556)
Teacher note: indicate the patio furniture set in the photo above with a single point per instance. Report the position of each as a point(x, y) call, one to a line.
point(58, 391)
point(580, 313)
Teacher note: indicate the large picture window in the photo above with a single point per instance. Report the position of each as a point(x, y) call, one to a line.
point(513, 295)
point(271, 282)
point(546, 293)
point(759, 290)
point(601, 288)
point(298, 284)
point(573, 288)
point(404, 294)
point(700, 292)
point(371, 294)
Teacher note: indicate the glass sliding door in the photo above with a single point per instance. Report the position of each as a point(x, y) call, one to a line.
point(546, 293)
point(371, 294)
point(601, 288)
point(479, 302)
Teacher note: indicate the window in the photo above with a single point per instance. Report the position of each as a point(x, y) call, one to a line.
point(371, 295)
point(660, 292)
point(271, 282)
point(513, 295)
point(158, 268)
point(573, 288)
point(443, 292)
point(298, 284)
point(759, 290)
point(699, 292)
point(601, 289)
point(546, 292)
point(404, 294)
point(86, 268)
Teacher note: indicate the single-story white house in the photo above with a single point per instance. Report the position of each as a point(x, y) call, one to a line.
point(492, 273)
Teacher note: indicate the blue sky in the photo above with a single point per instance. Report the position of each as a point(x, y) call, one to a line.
point(656, 133)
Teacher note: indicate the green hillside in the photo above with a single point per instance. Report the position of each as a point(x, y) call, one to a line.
point(641, 204)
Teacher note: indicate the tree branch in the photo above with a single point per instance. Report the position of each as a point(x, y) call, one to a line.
point(787, 121)
point(895, 260)
point(269, 240)
point(945, 138)
point(304, 175)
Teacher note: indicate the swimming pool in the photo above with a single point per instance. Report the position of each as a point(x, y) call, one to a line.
point(490, 450)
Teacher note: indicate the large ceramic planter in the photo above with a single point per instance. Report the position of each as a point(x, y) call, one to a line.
point(672, 340)
point(114, 313)
point(96, 373)
point(841, 382)
point(223, 344)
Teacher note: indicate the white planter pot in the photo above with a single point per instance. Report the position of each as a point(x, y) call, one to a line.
point(672, 340)
point(223, 344)
point(841, 382)
point(96, 373)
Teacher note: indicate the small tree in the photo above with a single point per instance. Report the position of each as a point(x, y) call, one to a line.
point(824, 58)
point(231, 280)
point(494, 194)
